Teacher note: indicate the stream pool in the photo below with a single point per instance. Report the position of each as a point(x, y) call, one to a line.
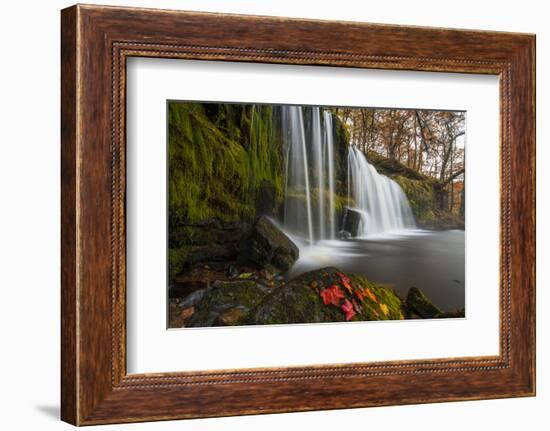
point(433, 261)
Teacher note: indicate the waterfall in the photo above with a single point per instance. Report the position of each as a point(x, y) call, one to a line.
point(329, 147)
point(297, 188)
point(309, 174)
point(382, 203)
point(318, 172)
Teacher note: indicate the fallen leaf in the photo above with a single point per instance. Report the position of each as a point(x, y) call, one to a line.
point(346, 282)
point(332, 295)
point(384, 309)
point(347, 308)
point(359, 294)
point(186, 313)
point(231, 317)
point(368, 293)
point(313, 284)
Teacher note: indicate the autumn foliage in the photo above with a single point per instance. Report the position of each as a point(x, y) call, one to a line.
point(335, 296)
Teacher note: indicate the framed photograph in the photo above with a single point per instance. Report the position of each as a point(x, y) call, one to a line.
point(322, 214)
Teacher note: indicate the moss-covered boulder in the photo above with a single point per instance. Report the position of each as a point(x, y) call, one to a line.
point(420, 305)
point(308, 299)
point(216, 306)
point(320, 296)
point(183, 257)
point(269, 246)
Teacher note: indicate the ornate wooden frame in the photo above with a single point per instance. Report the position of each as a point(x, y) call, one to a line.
point(95, 43)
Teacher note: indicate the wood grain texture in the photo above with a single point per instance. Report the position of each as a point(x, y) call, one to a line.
point(96, 41)
point(69, 366)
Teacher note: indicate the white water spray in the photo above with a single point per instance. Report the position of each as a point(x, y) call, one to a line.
point(309, 174)
point(382, 203)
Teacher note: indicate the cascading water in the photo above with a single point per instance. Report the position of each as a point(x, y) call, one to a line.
point(382, 203)
point(329, 157)
point(309, 174)
point(318, 172)
point(297, 190)
point(309, 207)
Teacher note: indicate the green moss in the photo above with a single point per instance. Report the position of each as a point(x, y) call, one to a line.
point(177, 259)
point(388, 305)
point(295, 304)
point(418, 303)
point(227, 295)
point(299, 301)
point(391, 167)
point(218, 156)
point(421, 196)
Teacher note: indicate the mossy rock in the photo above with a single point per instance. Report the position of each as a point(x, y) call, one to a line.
point(207, 231)
point(419, 304)
point(452, 314)
point(183, 257)
point(421, 197)
point(216, 302)
point(269, 246)
point(299, 301)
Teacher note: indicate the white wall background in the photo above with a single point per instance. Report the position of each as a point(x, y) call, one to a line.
point(29, 215)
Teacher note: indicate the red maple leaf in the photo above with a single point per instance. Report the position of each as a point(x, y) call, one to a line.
point(359, 294)
point(346, 282)
point(347, 308)
point(332, 295)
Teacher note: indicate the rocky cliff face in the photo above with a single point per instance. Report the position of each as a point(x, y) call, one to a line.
point(225, 169)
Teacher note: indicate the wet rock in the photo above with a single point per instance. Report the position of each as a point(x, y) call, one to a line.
point(232, 271)
point(211, 252)
point(299, 300)
point(452, 314)
point(234, 284)
point(351, 221)
point(205, 232)
point(223, 296)
point(197, 277)
point(184, 257)
point(344, 234)
point(418, 303)
point(269, 246)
